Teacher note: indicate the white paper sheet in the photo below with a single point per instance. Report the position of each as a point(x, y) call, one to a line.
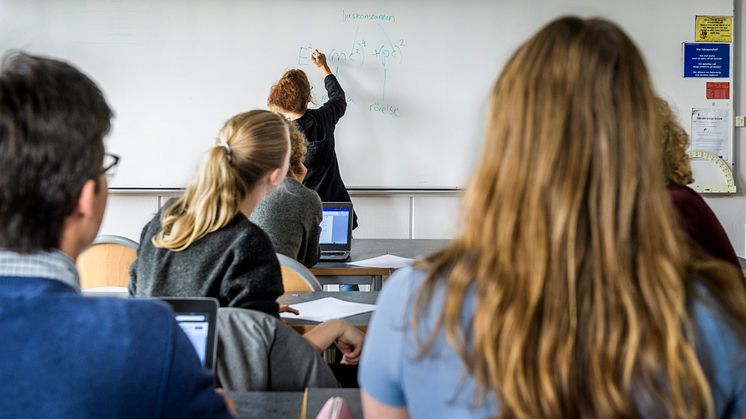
point(327, 308)
point(384, 261)
point(710, 131)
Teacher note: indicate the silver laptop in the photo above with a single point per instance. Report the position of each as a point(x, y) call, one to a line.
point(336, 231)
point(198, 318)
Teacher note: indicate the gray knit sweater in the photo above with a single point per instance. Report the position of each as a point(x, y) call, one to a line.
point(236, 264)
point(291, 216)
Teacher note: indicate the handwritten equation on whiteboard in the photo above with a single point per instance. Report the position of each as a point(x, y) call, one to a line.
point(373, 43)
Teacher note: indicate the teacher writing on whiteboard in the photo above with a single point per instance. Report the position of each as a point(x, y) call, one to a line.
point(290, 97)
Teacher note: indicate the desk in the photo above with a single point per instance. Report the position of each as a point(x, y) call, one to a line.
point(359, 320)
point(284, 405)
point(342, 272)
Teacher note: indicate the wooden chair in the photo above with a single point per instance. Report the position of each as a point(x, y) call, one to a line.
point(296, 277)
point(106, 262)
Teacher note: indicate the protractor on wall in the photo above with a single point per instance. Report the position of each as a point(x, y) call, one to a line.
point(711, 173)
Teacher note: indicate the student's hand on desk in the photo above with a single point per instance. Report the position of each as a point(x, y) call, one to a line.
point(349, 339)
point(350, 343)
point(284, 308)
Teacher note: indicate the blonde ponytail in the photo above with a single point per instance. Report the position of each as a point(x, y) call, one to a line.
point(250, 145)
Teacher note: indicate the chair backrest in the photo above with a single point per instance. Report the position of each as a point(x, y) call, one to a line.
point(106, 262)
point(296, 277)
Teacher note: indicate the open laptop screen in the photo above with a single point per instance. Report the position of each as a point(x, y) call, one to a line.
point(197, 317)
point(335, 228)
point(196, 327)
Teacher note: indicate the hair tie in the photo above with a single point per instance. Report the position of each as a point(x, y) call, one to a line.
point(227, 148)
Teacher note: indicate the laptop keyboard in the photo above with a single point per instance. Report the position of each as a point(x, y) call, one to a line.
point(334, 252)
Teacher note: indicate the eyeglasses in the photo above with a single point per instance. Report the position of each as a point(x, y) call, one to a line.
point(110, 165)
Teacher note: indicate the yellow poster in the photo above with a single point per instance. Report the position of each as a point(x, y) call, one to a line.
point(714, 29)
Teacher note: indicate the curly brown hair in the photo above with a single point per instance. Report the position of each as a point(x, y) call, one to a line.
point(675, 142)
point(291, 93)
point(298, 147)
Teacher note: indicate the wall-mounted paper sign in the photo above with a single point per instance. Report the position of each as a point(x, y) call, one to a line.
point(710, 131)
point(706, 60)
point(718, 90)
point(713, 29)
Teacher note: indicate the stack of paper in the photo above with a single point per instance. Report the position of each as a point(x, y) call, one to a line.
point(385, 261)
point(327, 308)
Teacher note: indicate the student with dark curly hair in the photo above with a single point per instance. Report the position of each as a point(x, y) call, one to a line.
point(291, 215)
point(694, 215)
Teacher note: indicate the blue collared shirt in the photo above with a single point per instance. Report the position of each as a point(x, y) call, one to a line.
point(53, 265)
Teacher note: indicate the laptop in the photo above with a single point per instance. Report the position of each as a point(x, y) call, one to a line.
point(336, 231)
point(198, 318)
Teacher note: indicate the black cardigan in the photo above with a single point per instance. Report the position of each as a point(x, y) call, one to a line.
point(321, 160)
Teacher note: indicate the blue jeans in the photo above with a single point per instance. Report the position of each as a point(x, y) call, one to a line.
point(349, 287)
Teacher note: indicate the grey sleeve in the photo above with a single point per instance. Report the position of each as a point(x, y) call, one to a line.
point(258, 352)
point(132, 287)
point(313, 250)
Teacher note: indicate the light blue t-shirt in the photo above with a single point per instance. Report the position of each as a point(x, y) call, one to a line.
point(437, 385)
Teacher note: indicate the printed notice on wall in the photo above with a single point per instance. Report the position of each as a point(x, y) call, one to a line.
point(714, 29)
point(710, 131)
point(706, 60)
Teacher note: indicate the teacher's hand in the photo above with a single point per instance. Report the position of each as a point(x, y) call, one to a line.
point(319, 59)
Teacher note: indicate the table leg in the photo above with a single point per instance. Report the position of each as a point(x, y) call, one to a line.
point(376, 283)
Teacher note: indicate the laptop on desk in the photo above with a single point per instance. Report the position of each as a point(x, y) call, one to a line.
point(198, 318)
point(336, 231)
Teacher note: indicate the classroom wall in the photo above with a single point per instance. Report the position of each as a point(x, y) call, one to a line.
point(731, 210)
point(382, 215)
point(436, 215)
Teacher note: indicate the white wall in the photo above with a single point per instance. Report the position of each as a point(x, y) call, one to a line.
point(730, 209)
point(399, 215)
point(126, 214)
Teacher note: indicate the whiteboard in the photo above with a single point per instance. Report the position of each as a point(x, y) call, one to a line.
point(416, 73)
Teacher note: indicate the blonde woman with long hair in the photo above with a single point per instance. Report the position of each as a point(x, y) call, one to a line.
point(571, 291)
point(202, 244)
point(693, 213)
